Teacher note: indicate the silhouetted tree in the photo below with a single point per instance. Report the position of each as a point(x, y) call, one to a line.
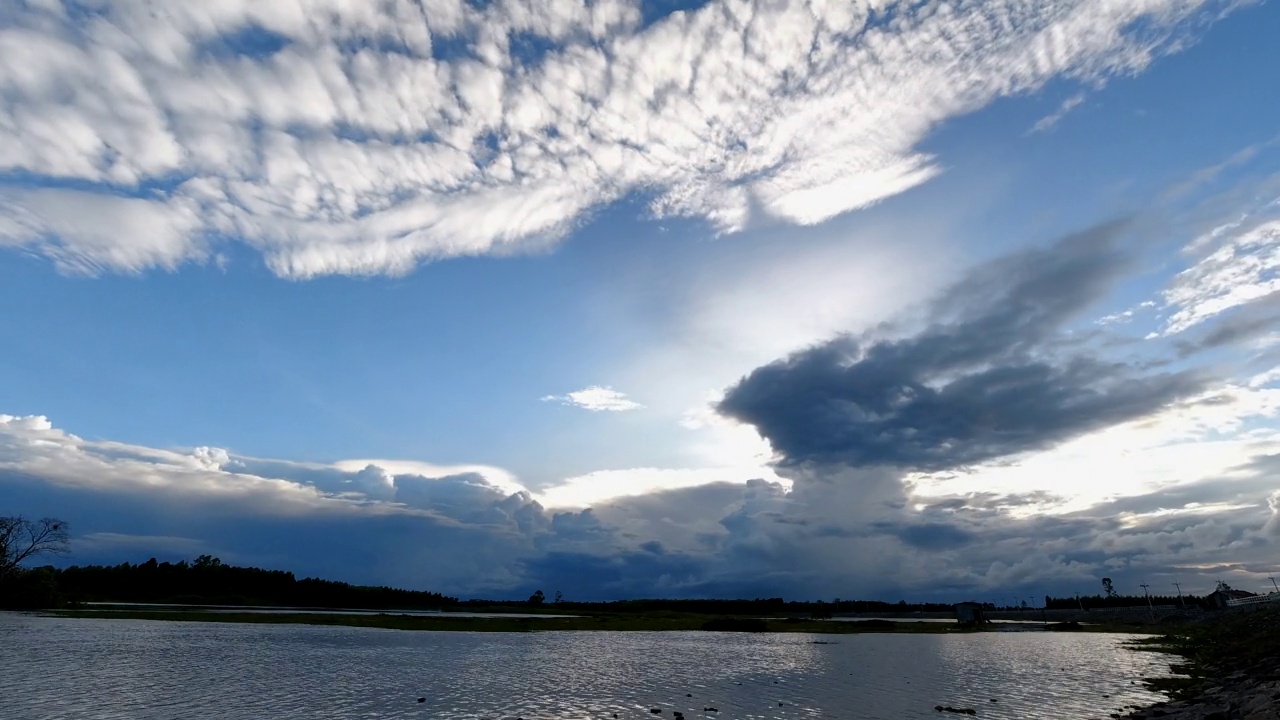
point(559, 597)
point(22, 539)
point(1223, 587)
point(1108, 589)
point(207, 562)
point(537, 598)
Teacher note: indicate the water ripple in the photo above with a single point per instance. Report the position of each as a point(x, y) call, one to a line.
point(65, 669)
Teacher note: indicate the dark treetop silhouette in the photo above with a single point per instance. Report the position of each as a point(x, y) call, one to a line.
point(22, 539)
point(209, 581)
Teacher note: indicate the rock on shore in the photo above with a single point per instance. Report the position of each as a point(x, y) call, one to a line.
point(1242, 699)
point(1234, 663)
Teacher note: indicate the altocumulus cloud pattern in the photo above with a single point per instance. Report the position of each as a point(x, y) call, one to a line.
point(339, 137)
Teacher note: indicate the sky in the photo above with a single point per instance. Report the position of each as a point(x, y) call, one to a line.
point(867, 299)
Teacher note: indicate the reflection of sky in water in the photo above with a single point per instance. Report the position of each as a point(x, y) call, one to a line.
point(58, 669)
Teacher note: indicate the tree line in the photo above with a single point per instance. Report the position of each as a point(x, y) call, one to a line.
point(756, 606)
point(206, 581)
point(1100, 602)
point(1112, 599)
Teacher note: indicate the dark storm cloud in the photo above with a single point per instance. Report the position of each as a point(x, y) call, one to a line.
point(934, 536)
point(622, 574)
point(994, 374)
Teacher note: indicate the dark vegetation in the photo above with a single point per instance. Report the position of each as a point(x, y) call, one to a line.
point(20, 540)
point(207, 581)
point(1104, 602)
point(1243, 643)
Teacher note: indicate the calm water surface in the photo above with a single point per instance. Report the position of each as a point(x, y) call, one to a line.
point(81, 669)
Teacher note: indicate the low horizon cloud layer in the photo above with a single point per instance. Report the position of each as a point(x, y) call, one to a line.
point(1008, 367)
point(364, 138)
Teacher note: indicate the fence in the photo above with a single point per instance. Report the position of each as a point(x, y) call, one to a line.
point(1259, 600)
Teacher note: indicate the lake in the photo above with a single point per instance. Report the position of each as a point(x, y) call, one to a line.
point(82, 669)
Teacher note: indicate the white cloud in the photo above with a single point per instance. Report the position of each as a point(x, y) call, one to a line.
point(607, 485)
point(1118, 318)
point(494, 476)
point(597, 399)
point(1243, 266)
point(26, 423)
point(365, 137)
point(1272, 528)
point(86, 232)
point(1047, 122)
point(1202, 437)
point(32, 446)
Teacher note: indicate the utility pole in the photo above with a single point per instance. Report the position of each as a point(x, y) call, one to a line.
point(1273, 583)
point(1150, 609)
point(1180, 602)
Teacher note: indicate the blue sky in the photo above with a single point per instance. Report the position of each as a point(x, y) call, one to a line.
point(603, 292)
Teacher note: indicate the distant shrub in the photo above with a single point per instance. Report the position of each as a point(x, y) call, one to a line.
point(29, 590)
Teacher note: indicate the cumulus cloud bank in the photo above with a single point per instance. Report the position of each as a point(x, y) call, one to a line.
point(366, 137)
point(1004, 377)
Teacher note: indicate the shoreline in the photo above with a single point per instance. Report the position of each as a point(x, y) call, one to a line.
point(442, 622)
point(587, 622)
point(1230, 669)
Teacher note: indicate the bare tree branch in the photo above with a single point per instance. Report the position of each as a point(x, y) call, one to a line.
point(22, 539)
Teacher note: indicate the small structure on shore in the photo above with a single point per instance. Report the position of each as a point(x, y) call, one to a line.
point(970, 613)
point(1223, 598)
